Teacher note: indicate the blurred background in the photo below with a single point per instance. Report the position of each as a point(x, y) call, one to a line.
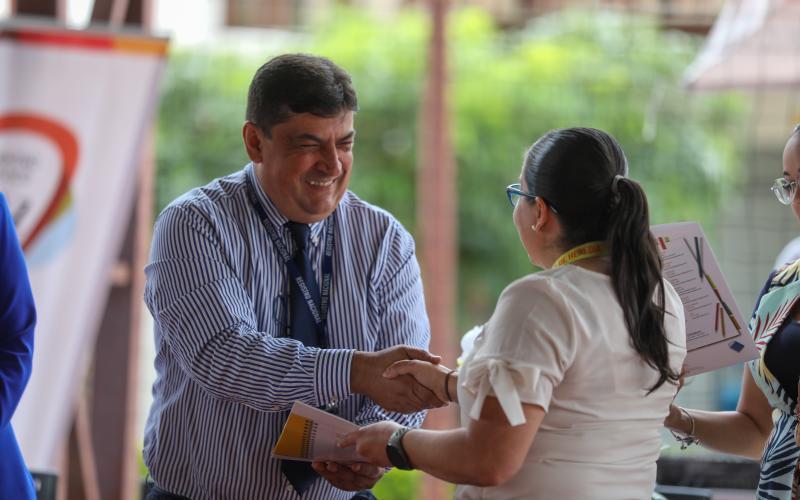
point(703, 130)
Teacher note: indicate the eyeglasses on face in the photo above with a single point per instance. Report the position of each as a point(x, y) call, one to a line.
point(784, 190)
point(515, 192)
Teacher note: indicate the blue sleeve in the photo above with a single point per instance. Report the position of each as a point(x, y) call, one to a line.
point(17, 318)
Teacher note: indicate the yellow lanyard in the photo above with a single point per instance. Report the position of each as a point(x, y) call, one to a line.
point(581, 252)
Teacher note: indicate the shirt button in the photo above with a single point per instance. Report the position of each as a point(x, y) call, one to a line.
point(288, 487)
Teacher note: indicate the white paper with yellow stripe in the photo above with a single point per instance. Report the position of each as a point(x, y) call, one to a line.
point(310, 435)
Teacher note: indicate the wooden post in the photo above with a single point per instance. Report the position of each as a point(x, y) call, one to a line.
point(116, 356)
point(437, 219)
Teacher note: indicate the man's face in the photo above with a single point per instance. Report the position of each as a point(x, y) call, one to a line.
point(304, 167)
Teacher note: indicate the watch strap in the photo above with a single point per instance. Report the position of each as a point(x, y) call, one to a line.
point(395, 450)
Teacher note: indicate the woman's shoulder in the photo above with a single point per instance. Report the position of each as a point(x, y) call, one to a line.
point(541, 285)
point(534, 299)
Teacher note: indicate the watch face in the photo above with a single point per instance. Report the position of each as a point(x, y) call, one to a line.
point(396, 457)
point(395, 452)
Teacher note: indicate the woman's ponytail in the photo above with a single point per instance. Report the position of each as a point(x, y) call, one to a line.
point(636, 275)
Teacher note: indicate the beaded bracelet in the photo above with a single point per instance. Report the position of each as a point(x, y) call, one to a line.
point(688, 439)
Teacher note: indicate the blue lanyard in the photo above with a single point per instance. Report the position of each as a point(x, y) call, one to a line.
point(320, 314)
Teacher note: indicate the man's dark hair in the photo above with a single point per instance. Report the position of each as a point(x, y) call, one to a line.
point(298, 83)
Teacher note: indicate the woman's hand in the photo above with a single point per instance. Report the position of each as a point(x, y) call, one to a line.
point(370, 441)
point(430, 375)
point(675, 418)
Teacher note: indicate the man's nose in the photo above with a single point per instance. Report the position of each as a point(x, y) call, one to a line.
point(330, 159)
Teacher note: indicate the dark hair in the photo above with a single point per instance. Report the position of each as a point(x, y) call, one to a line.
point(581, 171)
point(298, 83)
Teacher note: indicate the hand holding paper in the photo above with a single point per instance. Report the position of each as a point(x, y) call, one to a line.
point(370, 441)
point(349, 477)
point(310, 435)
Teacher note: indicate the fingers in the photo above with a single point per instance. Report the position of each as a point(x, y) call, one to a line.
point(402, 367)
point(422, 355)
point(367, 470)
point(345, 477)
point(428, 399)
point(348, 440)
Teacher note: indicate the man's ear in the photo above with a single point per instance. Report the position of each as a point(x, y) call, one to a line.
point(252, 137)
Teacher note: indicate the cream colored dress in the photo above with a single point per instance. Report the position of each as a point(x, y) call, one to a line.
point(557, 339)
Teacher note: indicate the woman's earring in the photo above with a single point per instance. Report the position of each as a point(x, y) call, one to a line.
point(534, 228)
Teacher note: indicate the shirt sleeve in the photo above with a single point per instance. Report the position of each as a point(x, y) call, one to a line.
point(17, 318)
point(400, 313)
point(205, 317)
point(524, 351)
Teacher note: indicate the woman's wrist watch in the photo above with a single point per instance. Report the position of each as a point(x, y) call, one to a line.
point(396, 452)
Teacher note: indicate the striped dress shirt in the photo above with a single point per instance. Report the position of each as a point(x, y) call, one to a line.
point(226, 373)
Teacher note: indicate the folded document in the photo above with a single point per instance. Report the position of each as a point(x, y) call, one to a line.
point(310, 435)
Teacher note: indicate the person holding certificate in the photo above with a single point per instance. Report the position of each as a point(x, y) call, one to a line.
point(567, 385)
point(769, 382)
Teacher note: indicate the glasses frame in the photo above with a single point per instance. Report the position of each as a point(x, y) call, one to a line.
point(516, 188)
point(776, 190)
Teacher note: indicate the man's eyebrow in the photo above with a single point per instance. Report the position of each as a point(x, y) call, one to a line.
point(349, 136)
point(307, 137)
point(313, 138)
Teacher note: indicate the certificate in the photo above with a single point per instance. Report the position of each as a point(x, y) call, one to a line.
point(716, 332)
point(310, 435)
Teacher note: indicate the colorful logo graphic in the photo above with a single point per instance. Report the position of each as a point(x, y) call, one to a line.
point(38, 159)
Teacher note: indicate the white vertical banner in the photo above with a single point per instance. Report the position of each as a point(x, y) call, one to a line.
point(74, 108)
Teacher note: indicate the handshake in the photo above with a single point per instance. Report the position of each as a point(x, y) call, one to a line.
point(401, 379)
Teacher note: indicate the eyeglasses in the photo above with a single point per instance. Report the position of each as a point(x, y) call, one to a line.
point(784, 190)
point(515, 192)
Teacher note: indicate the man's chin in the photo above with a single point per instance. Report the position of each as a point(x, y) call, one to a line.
point(318, 213)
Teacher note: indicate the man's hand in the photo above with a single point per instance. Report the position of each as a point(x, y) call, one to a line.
point(402, 394)
point(370, 441)
point(349, 477)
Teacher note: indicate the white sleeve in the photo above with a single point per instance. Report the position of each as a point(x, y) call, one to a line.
point(526, 348)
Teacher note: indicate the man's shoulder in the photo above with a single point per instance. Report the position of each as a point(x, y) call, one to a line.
point(359, 212)
point(216, 197)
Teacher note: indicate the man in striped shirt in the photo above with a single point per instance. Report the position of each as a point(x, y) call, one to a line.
point(223, 282)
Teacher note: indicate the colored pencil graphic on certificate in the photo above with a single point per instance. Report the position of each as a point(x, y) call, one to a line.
point(715, 290)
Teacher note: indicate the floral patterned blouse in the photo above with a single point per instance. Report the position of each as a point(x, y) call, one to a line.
point(780, 462)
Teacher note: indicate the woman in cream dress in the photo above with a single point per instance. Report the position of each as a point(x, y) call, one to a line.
point(568, 383)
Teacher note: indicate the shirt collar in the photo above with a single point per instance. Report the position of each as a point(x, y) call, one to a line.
point(274, 215)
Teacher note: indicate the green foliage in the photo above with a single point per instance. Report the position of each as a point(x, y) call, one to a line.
point(398, 485)
point(617, 72)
